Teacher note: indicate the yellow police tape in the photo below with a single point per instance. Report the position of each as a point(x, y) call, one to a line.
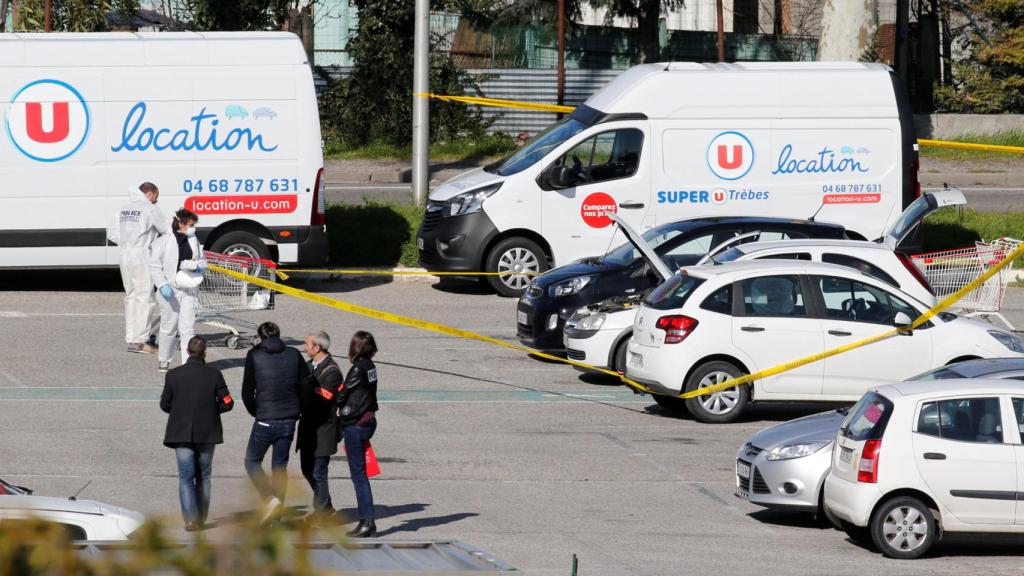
point(284, 272)
point(457, 332)
point(971, 146)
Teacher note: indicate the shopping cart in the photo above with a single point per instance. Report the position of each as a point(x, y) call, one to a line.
point(950, 270)
point(221, 294)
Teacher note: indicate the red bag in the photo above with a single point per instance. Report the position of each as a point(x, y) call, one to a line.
point(372, 467)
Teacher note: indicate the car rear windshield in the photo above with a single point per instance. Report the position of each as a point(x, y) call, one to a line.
point(868, 418)
point(672, 293)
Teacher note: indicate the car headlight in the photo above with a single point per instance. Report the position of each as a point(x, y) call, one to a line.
point(592, 321)
point(790, 451)
point(468, 202)
point(567, 287)
point(1011, 341)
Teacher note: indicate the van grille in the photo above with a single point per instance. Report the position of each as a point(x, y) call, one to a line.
point(427, 260)
point(432, 217)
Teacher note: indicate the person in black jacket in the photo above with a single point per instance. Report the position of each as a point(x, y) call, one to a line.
point(271, 387)
point(195, 396)
point(357, 409)
point(319, 430)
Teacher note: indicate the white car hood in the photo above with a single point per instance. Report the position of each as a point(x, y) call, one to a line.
point(475, 178)
point(49, 503)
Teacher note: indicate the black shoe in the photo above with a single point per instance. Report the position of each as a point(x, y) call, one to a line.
point(365, 529)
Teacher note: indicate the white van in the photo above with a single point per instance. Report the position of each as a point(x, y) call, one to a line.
point(225, 124)
point(664, 142)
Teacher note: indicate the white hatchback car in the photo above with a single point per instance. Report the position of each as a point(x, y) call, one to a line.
point(82, 519)
point(599, 334)
point(918, 459)
point(707, 324)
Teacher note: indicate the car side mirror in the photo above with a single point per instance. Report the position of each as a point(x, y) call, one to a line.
point(561, 176)
point(902, 323)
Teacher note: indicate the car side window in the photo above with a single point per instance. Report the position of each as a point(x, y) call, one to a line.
point(963, 419)
point(689, 252)
point(786, 256)
point(861, 265)
point(854, 301)
point(720, 301)
point(775, 296)
point(605, 156)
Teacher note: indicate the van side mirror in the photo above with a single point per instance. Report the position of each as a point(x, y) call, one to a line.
point(902, 323)
point(561, 176)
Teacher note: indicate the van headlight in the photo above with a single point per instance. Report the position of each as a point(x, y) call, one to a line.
point(1011, 341)
point(568, 287)
point(791, 451)
point(469, 202)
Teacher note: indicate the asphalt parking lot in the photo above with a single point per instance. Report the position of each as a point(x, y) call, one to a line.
point(525, 459)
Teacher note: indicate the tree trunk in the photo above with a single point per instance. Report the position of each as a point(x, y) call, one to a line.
point(3, 15)
point(648, 27)
point(847, 29)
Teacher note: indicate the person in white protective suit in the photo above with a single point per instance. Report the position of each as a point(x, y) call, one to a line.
point(136, 226)
point(177, 266)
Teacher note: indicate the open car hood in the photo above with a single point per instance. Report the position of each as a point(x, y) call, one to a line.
point(916, 213)
point(642, 247)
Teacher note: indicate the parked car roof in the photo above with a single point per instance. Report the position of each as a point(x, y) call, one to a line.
point(938, 388)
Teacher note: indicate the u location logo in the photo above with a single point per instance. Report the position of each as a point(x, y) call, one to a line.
point(47, 120)
point(730, 155)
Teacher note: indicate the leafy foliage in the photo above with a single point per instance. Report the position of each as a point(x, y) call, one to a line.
point(647, 15)
point(68, 15)
point(992, 79)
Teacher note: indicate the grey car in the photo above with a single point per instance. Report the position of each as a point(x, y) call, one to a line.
point(784, 466)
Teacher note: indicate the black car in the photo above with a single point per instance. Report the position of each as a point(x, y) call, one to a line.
point(553, 297)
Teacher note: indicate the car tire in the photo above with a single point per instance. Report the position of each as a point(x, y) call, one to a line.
point(514, 255)
point(719, 407)
point(619, 358)
point(671, 404)
point(240, 243)
point(903, 528)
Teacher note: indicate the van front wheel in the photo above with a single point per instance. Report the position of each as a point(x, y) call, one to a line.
point(514, 263)
point(241, 244)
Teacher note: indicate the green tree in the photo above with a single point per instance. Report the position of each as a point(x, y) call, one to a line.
point(647, 15)
point(374, 102)
point(991, 79)
point(67, 16)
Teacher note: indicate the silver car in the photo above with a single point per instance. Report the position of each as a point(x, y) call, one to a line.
point(784, 466)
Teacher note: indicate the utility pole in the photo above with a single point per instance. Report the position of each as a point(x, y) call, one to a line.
point(421, 103)
point(903, 41)
point(721, 31)
point(48, 16)
point(561, 53)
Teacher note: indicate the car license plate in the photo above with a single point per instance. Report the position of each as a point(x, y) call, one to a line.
point(419, 243)
point(636, 360)
point(742, 469)
point(845, 454)
point(523, 317)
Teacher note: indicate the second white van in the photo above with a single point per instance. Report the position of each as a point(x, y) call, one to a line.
point(663, 142)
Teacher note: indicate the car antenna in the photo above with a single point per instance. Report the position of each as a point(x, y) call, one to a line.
point(80, 490)
point(813, 216)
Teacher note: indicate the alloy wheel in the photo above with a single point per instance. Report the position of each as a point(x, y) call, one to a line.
point(721, 402)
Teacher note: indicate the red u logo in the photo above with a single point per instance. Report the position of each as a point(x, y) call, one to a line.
point(737, 156)
point(60, 128)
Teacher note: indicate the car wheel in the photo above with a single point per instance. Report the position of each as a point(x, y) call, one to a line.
point(903, 528)
point(619, 359)
point(716, 407)
point(671, 404)
point(516, 261)
point(242, 244)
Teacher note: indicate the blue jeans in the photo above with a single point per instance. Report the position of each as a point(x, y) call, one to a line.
point(195, 465)
point(267, 434)
point(314, 469)
point(356, 438)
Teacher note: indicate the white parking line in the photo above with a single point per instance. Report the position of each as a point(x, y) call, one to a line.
point(11, 378)
point(16, 314)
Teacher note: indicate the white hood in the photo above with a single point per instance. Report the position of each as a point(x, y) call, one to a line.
point(475, 178)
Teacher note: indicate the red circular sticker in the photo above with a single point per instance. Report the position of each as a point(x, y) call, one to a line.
point(595, 209)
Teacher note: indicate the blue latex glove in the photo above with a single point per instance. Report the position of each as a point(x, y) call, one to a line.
point(166, 291)
point(200, 268)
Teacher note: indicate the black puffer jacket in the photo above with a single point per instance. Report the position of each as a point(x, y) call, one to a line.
point(271, 384)
point(360, 393)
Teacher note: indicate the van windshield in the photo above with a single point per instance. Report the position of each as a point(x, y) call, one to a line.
point(537, 148)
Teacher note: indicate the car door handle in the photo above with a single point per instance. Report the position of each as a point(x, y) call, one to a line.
point(752, 329)
point(934, 456)
point(631, 205)
point(840, 333)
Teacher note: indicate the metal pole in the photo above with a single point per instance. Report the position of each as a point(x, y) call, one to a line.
point(561, 53)
point(48, 16)
point(903, 42)
point(721, 31)
point(421, 104)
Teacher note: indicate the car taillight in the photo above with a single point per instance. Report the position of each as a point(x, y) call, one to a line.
point(676, 328)
point(318, 217)
point(867, 468)
point(914, 271)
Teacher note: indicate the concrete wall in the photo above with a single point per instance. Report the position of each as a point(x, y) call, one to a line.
point(945, 126)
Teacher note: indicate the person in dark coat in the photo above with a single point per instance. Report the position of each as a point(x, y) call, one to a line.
point(271, 386)
point(195, 396)
point(357, 409)
point(319, 429)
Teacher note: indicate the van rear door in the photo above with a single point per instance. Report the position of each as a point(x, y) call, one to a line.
point(607, 171)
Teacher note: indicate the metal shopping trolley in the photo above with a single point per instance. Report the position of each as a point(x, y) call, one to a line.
point(221, 294)
point(950, 270)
